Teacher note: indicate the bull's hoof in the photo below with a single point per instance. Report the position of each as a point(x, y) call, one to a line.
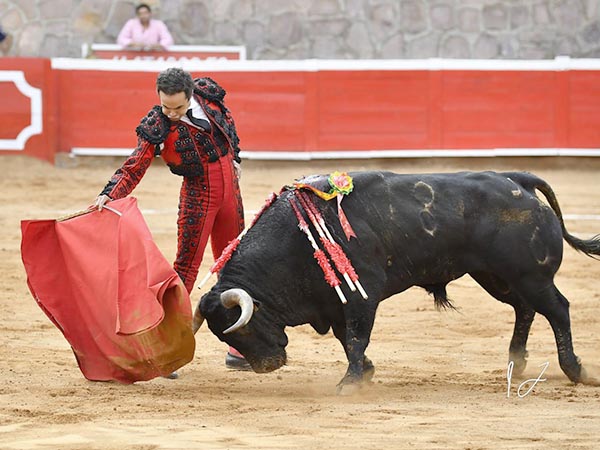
point(519, 363)
point(519, 367)
point(350, 385)
point(368, 369)
point(348, 389)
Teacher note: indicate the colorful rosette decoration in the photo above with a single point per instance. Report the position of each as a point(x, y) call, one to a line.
point(341, 184)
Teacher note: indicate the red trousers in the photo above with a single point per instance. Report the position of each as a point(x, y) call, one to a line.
point(210, 205)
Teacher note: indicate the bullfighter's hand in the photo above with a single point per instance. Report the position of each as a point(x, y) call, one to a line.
point(101, 200)
point(238, 169)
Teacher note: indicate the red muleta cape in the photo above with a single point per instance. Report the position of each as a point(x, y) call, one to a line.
point(104, 283)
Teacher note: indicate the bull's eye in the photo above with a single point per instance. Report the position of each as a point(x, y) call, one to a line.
point(257, 305)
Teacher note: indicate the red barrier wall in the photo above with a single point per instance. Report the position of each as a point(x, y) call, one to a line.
point(107, 106)
point(582, 116)
point(102, 109)
point(374, 110)
point(300, 108)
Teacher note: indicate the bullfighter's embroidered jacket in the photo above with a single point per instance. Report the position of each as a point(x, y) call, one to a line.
point(186, 149)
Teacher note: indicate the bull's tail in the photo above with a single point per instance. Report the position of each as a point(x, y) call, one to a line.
point(588, 246)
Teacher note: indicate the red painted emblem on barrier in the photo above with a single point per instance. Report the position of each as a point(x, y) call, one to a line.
point(20, 109)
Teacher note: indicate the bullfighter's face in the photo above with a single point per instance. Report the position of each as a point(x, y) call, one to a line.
point(262, 340)
point(174, 106)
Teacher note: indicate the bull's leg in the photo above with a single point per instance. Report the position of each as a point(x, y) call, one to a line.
point(517, 351)
point(524, 316)
point(548, 301)
point(354, 335)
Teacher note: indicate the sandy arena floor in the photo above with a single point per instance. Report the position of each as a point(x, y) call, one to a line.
point(440, 380)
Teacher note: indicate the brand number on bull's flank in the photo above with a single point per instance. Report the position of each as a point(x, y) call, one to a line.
point(533, 381)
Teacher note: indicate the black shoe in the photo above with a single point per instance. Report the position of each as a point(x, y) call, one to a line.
point(236, 363)
point(172, 376)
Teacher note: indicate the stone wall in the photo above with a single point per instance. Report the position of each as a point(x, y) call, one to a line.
point(299, 29)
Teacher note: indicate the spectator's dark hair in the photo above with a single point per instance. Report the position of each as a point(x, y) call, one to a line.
point(174, 80)
point(142, 5)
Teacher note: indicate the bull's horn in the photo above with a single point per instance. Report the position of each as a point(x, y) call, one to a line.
point(198, 319)
point(235, 297)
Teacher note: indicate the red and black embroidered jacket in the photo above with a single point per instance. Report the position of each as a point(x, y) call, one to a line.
point(182, 147)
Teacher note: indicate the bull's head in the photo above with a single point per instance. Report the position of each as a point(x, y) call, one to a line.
point(240, 321)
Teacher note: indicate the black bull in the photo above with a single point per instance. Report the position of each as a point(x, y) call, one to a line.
point(412, 230)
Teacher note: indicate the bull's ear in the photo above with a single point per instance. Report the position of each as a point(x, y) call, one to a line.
point(257, 305)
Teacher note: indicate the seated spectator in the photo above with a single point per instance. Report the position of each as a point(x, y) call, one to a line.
point(5, 42)
point(144, 33)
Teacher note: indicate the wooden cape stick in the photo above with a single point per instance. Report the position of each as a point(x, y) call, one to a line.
point(87, 211)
